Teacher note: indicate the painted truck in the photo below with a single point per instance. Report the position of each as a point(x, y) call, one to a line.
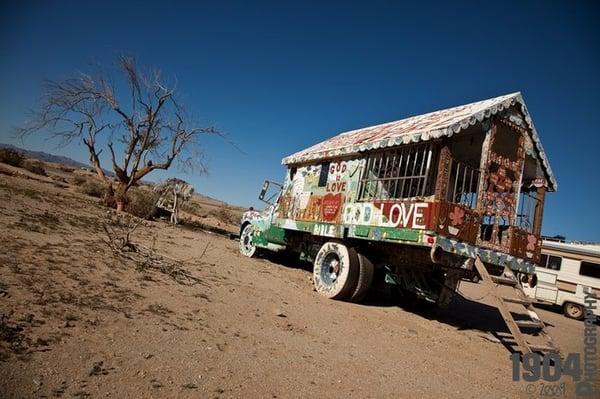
point(412, 202)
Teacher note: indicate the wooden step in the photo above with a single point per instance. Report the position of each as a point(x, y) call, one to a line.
point(491, 283)
point(529, 323)
point(542, 348)
point(517, 300)
point(504, 280)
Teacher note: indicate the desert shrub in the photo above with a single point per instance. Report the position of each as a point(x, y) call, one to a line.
point(78, 180)
point(140, 203)
point(35, 167)
point(66, 168)
point(92, 188)
point(11, 157)
point(193, 208)
point(224, 214)
point(58, 178)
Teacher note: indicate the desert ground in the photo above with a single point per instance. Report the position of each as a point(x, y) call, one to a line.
point(81, 320)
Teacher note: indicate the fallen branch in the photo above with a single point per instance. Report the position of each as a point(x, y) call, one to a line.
point(119, 241)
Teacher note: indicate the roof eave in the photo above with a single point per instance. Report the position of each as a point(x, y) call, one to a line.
point(423, 136)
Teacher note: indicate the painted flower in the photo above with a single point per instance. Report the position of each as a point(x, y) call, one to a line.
point(456, 216)
point(531, 241)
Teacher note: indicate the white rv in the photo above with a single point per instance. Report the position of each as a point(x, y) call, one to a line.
point(565, 273)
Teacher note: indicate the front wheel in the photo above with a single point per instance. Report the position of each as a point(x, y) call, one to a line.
point(247, 247)
point(573, 310)
point(336, 269)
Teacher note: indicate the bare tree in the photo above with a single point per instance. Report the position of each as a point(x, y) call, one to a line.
point(150, 125)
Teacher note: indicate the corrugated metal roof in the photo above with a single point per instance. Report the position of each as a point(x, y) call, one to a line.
point(421, 128)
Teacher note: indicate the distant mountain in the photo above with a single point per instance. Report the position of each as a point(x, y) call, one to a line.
point(44, 156)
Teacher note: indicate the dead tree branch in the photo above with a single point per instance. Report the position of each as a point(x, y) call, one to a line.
point(144, 127)
point(145, 258)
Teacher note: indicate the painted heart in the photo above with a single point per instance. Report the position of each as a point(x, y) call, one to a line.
point(330, 206)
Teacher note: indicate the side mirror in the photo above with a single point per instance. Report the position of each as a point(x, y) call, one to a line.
point(263, 191)
point(265, 195)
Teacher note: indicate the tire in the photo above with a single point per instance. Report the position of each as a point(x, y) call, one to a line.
point(573, 310)
point(247, 247)
point(365, 278)
point(335, 272)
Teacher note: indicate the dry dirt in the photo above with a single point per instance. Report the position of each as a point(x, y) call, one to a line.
point(79, 321)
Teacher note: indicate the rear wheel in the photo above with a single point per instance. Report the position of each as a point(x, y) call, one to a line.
point(573, 310)
point(365, 278)
point(336, 270)
point(247, 247)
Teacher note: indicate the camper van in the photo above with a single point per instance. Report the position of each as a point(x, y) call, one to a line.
point(565, 273)
point(412, 202)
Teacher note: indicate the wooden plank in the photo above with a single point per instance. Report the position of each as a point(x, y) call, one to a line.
point(504, 312)
point(529, 323)
point(539, 211)
point(517, 300)
point(504, 280)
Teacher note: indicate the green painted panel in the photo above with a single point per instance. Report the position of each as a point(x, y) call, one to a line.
point(362, 231)
point(402, 234)
point(274, 234)
point(259, 239)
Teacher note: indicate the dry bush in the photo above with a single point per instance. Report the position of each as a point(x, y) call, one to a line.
point(224, 215)
point(58, 178)
point(11, 157)
point(119, 232)
point(12, 335)
point(66, 168)
point(92, 188)
point(78, 180)
point(193, 208)
point(35, 167)
point(140, 202)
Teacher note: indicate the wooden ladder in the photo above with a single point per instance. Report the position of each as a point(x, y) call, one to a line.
point(525, 331)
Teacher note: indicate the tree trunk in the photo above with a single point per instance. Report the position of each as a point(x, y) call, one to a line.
point(109, 196)
point(120, 197)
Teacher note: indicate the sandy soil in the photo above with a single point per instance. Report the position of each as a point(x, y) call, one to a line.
point(80, 321)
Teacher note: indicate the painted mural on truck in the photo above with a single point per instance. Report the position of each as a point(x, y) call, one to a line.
point(317, 193)
point(323, 200)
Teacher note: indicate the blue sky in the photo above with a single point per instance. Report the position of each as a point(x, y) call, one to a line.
point(277, 77)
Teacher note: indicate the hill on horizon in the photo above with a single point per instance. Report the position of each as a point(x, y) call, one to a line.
point(46, 157)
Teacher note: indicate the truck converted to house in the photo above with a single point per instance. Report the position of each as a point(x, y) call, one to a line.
point(413, 202)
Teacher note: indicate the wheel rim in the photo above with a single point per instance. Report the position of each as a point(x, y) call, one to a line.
point(331, 269)
point(574, 310)
point(247, 246)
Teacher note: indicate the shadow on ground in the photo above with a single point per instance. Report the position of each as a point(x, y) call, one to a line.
point(462, 313)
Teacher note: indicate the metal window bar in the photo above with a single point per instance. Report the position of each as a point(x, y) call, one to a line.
point(528, 202)
point(399, 173)
point(463, 181)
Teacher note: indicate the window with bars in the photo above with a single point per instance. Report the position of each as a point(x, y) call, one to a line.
point(404, 172)
point(528, 203)
point(463, 184)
